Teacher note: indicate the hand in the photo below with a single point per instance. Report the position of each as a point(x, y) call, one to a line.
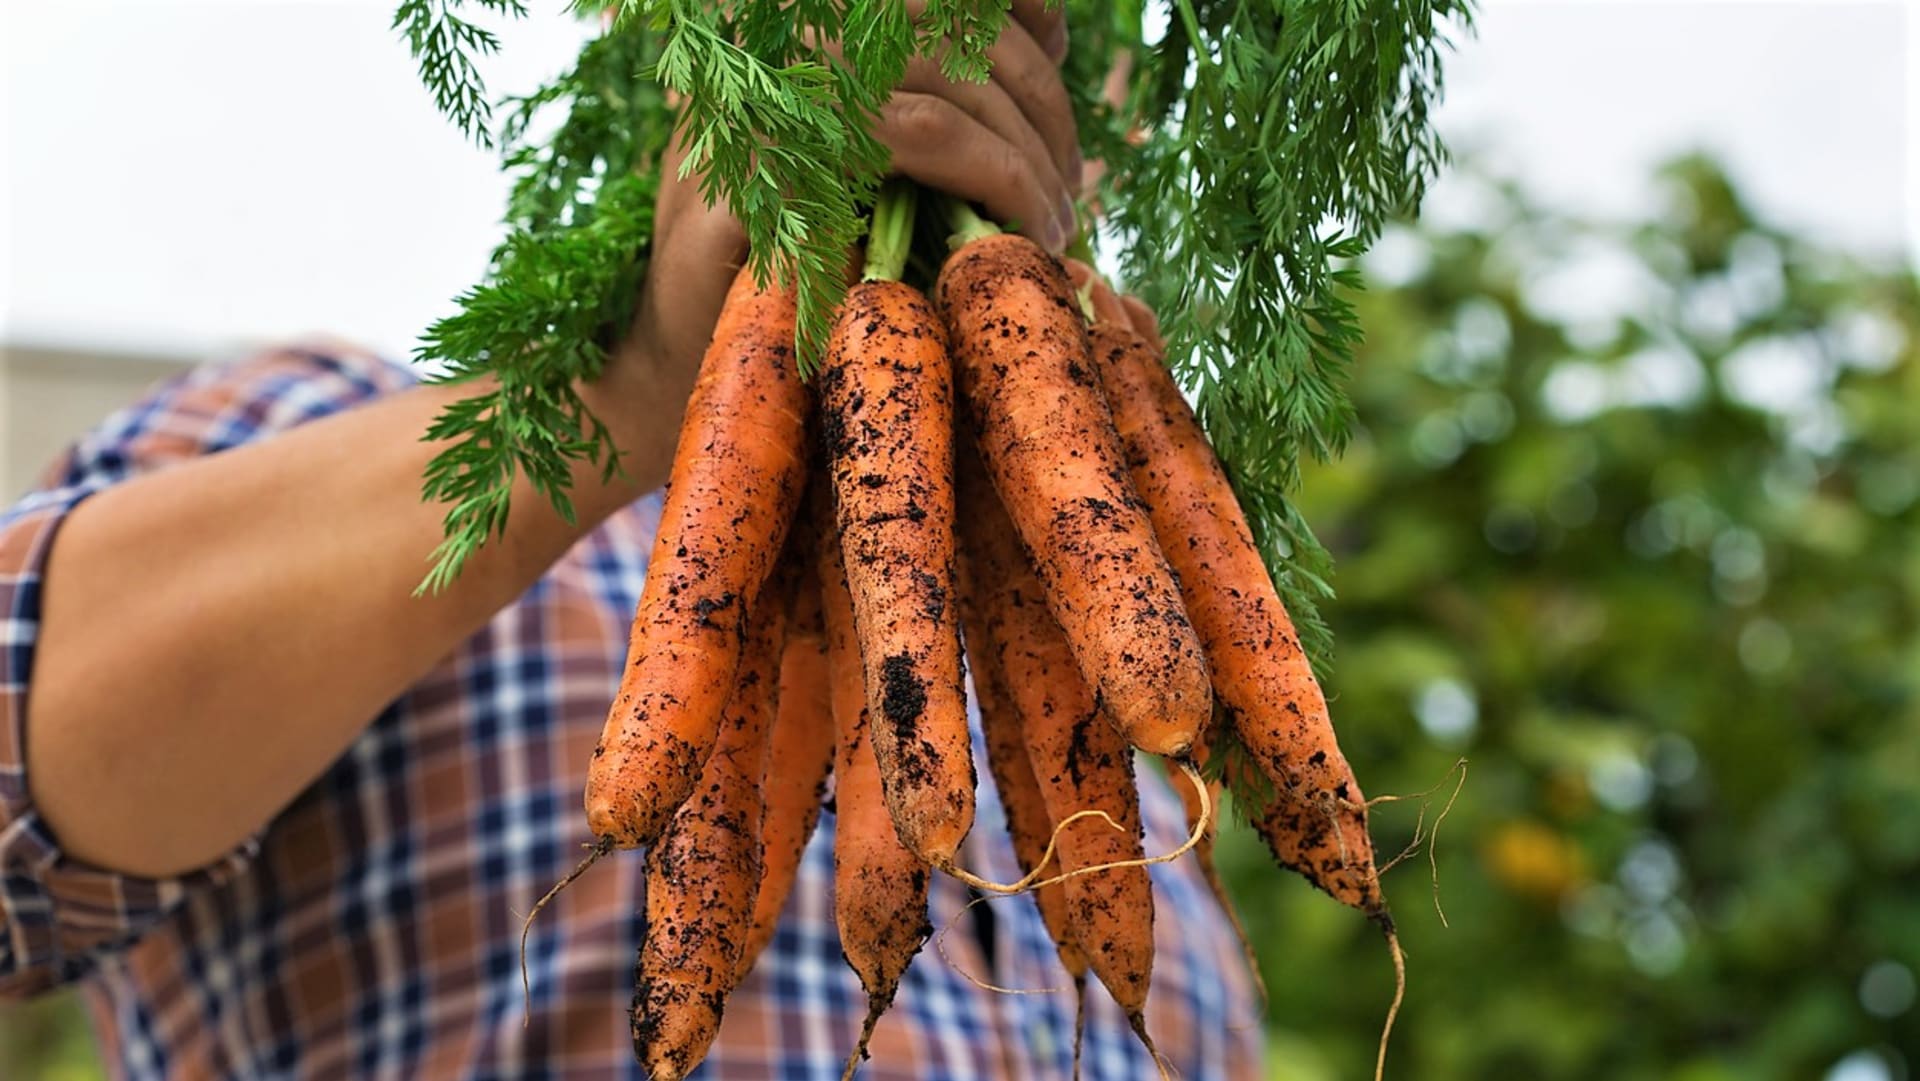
point(1008, 144)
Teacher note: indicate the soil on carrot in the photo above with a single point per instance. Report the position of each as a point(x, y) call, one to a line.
point(1049, 442)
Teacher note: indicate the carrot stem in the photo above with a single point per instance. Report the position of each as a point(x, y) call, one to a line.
point(890, 237)
point(1084, 295)
point(1082, 246)
point(967, 226)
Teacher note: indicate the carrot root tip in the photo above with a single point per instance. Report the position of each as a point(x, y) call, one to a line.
point(1138, 1020)
point(876, 1006)
point(1079, 1021)
point(1399, 993)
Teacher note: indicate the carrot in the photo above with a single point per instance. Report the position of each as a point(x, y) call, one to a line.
point(1078, 761)
point(886, 401)
point(1317, 821)
point(1027, 820)
point(802, 753)
point(879, 886)
point(736, 480)
point(703, 874)
point(1021, 355)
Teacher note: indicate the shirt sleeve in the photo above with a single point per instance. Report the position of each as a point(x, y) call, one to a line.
point(59, 916)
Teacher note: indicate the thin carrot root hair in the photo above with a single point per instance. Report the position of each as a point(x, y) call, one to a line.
point(1083, 295)
point(598, 849)
point(1204, 857)
point(1399, 995)
point(1200, 824)
point(940, 946)
point(1039, 867)
point(1431, 838)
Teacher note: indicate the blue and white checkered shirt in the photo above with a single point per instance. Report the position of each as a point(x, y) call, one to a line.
point(371, 930)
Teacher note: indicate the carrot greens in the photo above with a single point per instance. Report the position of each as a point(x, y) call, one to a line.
point(1256, 148)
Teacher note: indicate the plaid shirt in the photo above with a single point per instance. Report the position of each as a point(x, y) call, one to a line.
point(371, 929)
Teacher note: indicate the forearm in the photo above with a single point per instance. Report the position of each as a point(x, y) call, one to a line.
point(215, 634)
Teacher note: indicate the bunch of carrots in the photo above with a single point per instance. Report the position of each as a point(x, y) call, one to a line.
point(1008, 462)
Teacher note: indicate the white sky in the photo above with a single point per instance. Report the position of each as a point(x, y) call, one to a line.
point(180, 177)
point(1812, 103)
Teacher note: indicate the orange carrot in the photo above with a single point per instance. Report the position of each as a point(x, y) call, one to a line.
point(1027, 819)
point(1317, 821)
point(703, 873)
point(886, 401)
point(1021, 354)
point(802, 754)
point(879, 887)
point(736, 480)
point(1028, 824)
point(1078, 761)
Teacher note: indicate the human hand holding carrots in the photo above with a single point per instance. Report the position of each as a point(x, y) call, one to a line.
point(1008, 144)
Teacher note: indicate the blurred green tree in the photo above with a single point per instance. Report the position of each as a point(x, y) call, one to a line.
point(48, 1040)
point(1632, 527)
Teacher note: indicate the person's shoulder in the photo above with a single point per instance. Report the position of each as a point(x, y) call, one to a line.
point(227, 402)
point(310, 373)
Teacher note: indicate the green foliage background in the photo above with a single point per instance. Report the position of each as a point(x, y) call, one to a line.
point(1672, 630)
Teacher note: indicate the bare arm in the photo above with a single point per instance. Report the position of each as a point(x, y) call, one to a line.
point(214, 634)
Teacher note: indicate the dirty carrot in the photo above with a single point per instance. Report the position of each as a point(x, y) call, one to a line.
point(1316, 822)
point(736, 480)
point(879, 886)
point(1027, 822)
point(1077, 759)
point(802, 742)
point(1023, 366)
point(886, 398)
point(703, 874)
